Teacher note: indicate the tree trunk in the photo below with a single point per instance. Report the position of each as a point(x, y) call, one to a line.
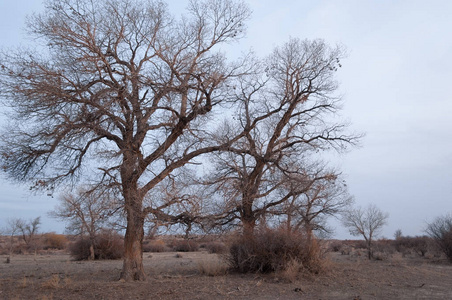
point(248, 227)
point(133, 241)
point(133, 248)
point(91, 251)
point(247, 215)
point(369, 249)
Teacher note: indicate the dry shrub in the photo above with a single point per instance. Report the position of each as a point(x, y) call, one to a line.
point(185, 246)
point(107, 245)
point(383, 249)
point(79, 249)
point(292, 271)
point(155, 246)
point(215, 247)
point(54, 241)
point(441, 232)
point(418, 244)
point(110, 245)
point(335, 246)
point(274, 250)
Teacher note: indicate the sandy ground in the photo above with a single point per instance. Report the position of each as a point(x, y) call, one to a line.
point(173, 277)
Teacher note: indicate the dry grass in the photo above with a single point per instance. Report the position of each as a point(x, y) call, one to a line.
point(199, 275)
point(212, 268)
point(52, 283)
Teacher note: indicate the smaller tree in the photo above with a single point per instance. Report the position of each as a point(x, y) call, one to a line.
point(87, 212)
point(365, 222)
point(11, 229)
point(28, 230)
point(398, 234)
point(441, 231)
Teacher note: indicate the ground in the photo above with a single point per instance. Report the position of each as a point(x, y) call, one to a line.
point(186, 276)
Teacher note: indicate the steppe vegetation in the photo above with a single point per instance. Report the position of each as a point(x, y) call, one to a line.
point(406, 268)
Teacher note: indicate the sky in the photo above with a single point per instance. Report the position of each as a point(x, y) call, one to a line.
point(395, 84)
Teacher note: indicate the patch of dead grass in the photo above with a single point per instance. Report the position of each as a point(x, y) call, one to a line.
point(212, 268)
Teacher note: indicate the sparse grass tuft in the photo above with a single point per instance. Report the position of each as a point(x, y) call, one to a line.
point(52, 283)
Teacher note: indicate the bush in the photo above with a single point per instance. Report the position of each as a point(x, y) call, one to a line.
point(54, 241)
point(335, 246)
point(274, 250)
point(185, 246)
point(215, 247)
point(155, 246)
point(79, 249)
point(441, 231)
point(417, 244)
point(107, 245)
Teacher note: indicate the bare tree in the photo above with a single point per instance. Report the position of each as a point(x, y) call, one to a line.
point(28, 230)
point(308, 210)
point(87, 212)
point(285, 111)
point(441, 231)
point(365, 222)
point(12, 227)
point(121, 92)
point(177, 203)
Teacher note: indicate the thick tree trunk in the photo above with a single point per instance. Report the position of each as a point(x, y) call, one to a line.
point(247, 215)
point(248, 228)
point(133, 241)
point(133, 248)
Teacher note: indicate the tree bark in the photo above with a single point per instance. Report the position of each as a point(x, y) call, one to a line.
point(248, 223)
point(133, 247)
point(91, 251)
point(133, 241)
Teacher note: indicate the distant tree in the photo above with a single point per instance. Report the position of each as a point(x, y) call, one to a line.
point(28, 230)
point(308, 210)
point(87, 212)
point(398, 234)
point(177, 204)
point(11, 229)
point(440, 230)
point(366, 223)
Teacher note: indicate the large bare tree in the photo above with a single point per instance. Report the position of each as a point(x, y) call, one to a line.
point(117, 90)
point(286, 113)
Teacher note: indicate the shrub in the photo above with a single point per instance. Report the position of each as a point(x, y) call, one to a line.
point(155, 246)
point(441, 231)
point(417, 244)
point(54, 241)
point(215, 247)
point(110, 245)
point(274, 250)
point(335, 246)
point(107, 245)
point(80, 249)
point(185, 246)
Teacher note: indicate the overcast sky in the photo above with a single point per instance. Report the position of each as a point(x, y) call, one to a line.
point(396, 86)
